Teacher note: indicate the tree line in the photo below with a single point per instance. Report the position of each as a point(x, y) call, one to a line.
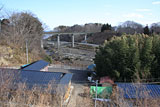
point(129, 57)
point(89, 27)
point(128, 27)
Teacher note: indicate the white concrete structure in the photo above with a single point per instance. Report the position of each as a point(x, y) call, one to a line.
point(73, 40)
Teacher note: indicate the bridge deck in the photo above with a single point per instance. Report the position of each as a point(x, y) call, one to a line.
point(70, 33)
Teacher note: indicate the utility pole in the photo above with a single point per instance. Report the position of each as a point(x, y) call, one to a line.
point(27, 50)
point(42, 43)
point(58, 41)
point(73, 41)
point(96, 92)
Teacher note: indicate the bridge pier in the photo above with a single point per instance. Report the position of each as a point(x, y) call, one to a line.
point(85, 38)
point(58, 41)
point(73, 41)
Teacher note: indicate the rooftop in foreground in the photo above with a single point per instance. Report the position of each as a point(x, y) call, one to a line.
point(135, 90)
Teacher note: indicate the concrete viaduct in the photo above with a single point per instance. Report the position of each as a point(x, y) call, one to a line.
point(73, 41)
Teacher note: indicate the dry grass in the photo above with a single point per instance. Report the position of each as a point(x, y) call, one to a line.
point(117, 100)
point(18, 95)
point(15, 55)
point(86, 100)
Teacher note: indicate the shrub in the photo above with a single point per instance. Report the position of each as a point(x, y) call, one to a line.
point(129, 57)
point(48, 58)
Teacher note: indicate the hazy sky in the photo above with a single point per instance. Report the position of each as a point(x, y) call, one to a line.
point(70, 12)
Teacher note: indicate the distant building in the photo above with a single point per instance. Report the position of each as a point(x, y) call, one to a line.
point(40, 65)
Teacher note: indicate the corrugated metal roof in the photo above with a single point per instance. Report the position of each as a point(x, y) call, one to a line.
point(64, 82)
point(59, 81)
point(66, 79)
point(38, 65)
point(130, 90)
point(38, 77)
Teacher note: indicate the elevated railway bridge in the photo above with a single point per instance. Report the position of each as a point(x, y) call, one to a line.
point(58, 34)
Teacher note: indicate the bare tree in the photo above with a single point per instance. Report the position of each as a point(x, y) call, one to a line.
point(21, 27)
point(155, 28)
point(1, 7)
point(130, 27)
point(90, 27)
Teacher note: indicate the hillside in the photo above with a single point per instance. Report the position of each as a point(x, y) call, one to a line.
point(100, 37)
point(13, 56)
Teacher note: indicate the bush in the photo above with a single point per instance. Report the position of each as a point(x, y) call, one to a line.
point(48, 58)
point(129, 57)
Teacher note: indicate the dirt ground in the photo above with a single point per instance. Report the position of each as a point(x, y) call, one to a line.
point(79, 97)
point(80, 94)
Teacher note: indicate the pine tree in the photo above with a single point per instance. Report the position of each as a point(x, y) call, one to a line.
point(146, 30)
point(106, 27)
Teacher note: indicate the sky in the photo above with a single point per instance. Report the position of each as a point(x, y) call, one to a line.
point(69, 12)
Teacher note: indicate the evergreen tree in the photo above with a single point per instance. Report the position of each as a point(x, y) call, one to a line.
point(155, 68)
point(103, 28)
point(146, 30)
point(106, 27)
point(129, 57)
point(146, 57)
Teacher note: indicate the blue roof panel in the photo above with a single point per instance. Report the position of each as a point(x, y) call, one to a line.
point(64, 82)
point(130, 90)
point(37, 66)
point(38, 77)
